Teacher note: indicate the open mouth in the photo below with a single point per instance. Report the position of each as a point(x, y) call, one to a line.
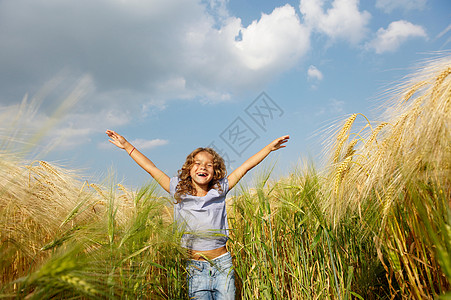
point(202, 174)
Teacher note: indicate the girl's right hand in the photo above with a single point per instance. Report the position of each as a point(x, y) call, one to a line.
point(140, 159)
point(116, 139)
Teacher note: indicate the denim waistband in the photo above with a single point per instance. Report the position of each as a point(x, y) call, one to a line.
point(215, 261)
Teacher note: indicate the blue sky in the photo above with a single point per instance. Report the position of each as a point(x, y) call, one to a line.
point(175, 75)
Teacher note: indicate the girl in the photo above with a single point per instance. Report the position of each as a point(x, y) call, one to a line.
point(200, 190)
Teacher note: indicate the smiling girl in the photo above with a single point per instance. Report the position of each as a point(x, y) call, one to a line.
point(200, 191)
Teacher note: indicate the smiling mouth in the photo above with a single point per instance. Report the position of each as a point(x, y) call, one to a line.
point(202, 174)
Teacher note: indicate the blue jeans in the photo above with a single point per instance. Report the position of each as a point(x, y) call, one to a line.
point(211, 280)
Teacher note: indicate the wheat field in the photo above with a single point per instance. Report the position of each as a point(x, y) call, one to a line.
point(373, 223)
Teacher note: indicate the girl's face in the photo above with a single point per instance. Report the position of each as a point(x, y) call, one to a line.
point(202, 171)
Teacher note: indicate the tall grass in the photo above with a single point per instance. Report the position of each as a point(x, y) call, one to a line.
point(286, 248)
point(373, 224)
point(396, 178)
point(63, 238)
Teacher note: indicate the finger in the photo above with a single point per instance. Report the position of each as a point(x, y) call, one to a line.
point(110, 133)
point(282, 141)
point(285, 138)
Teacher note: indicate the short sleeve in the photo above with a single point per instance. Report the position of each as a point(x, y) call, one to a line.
point(224, 183)
point(173, 185)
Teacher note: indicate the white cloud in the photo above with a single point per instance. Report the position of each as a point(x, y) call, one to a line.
point(277, 39)
point(140, 54)
point(332, 107)
point(234, 58)
point(148, 144)
point(218, 9)
point(336, 106)
point(342, 20)
point(140, 144)
point(390, 5)
point(69, 137)
point(314, 74)
point(163, 49)
point(390, 39)
point(27, 123)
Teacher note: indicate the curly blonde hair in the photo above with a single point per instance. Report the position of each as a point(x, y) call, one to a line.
point(185, 185)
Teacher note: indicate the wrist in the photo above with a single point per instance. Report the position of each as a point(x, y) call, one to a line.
point(269, 148)
point(128, 147)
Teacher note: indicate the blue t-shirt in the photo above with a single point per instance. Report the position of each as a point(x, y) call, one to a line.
point(202, 219)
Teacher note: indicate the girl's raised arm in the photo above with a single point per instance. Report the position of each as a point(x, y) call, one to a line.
point(254, 160)
point(140, 159)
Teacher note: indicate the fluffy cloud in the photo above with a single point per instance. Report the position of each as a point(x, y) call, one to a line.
point(151, 50)
point(314, 74)
point(333, 106)
point(234, 57)
point(280, 34)
point(342, 20)
point(140, 54)
point(390, 39)
point(149, 144)
point(25, 122)
point(140, 144)
point(391, 5)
